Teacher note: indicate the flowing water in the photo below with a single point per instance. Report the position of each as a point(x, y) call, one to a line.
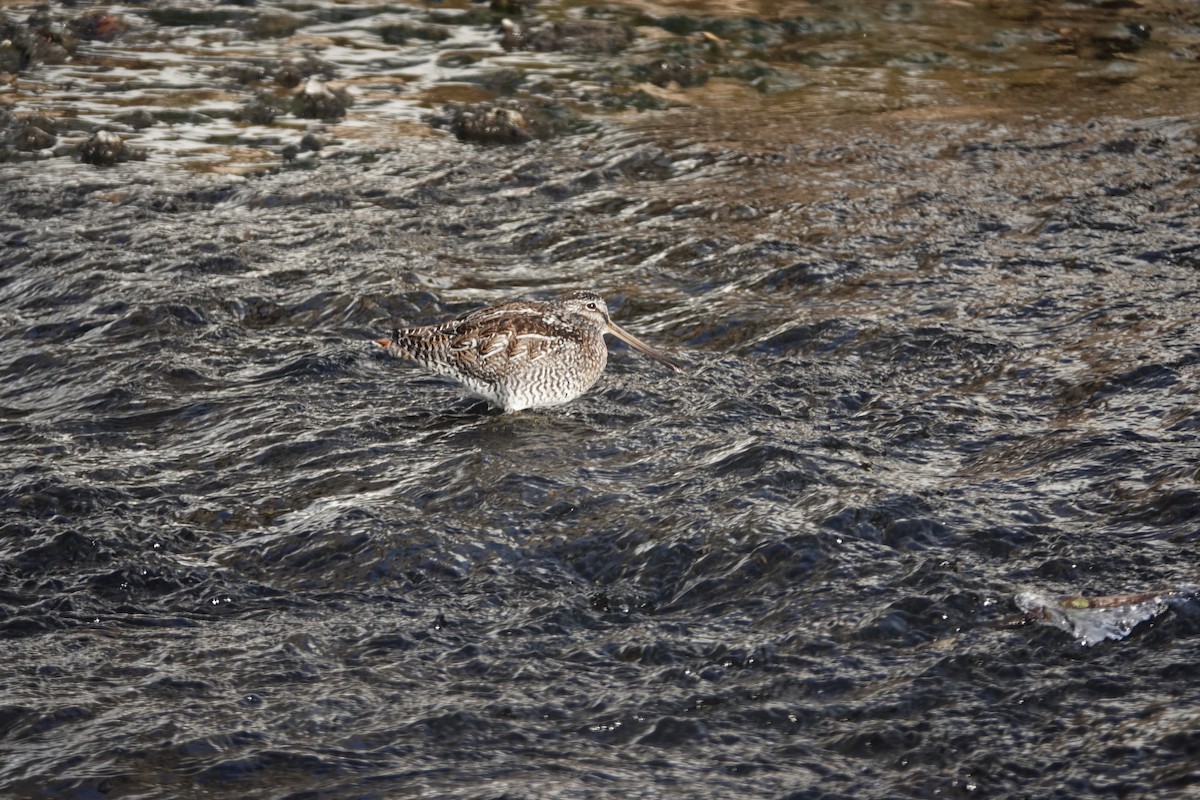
point(933, 269)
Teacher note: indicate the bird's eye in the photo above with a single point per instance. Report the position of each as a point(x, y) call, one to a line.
point(592, 306)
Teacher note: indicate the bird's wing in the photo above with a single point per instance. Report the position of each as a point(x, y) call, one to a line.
point(485, 345)
point(496, 345)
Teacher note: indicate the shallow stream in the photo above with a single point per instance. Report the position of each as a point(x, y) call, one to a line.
point(933, 269)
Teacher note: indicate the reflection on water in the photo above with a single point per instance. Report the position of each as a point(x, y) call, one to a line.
point(931, 268)
point(1092, 620)
point(219, 86)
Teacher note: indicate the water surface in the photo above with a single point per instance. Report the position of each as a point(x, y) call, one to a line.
point(932, 269)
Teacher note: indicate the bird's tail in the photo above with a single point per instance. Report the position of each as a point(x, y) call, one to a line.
point(392, 345)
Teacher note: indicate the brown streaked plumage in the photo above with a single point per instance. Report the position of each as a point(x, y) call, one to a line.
point(522, 354)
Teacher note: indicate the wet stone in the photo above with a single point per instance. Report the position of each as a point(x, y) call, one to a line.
point(186, 17)
point(24, 134)
point(502, 81)
point(513, 122)
point(514, 7)
point(638, 99)
point(512, 36)
point(749, 32)
point(12, 58)
point(54, 34)
point(309, 143)
point(489, 125)
point(31, 137)
point(137, 119)
point(256, 112)
point(762, 77)
point(44, 122)
point(684, 72)
point(318, 101)
point(246, 73)
point(105, 148)
point(1118, 40)
point(584, 36)
point(290, 74)
point(40, 39)
point(98, 26)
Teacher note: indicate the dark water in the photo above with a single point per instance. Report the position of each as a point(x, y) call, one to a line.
point(935, 274)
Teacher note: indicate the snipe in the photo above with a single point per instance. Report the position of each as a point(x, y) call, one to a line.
point(522, 354)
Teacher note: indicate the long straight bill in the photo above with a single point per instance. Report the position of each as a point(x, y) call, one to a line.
point(637, 344)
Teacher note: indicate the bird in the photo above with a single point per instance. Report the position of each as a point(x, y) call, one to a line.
point(524, 353)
